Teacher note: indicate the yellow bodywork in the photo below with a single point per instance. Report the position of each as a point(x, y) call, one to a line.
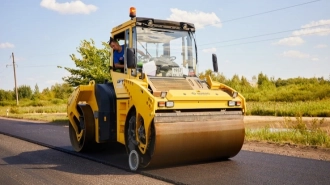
point(200, 120)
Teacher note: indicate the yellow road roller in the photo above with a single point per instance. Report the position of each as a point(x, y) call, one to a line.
point(156, 106)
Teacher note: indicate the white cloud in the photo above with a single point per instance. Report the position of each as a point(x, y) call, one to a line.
point(6, 45)
point(210, 50)
point(322, 28)
point(316, 28)
point(321, 46)
point(73, 7)
point(294, 54)
point(313, 31)
point(291, 41)
point(315, 59)
point(200, 19)
point(317, 23)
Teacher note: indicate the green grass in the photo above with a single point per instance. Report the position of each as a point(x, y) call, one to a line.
point(48, 112)
point(295, 132)
point(57, 118)
point(320, 108)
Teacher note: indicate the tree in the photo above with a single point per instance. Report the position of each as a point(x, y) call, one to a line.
point(46, 94)
point(36, 92)
point(214, 76)
point(264, 83)
point(6, 95)
point(24, 91)
point(93, 65)
point(61, 91)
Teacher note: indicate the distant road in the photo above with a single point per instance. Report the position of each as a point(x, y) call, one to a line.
point(246, 168)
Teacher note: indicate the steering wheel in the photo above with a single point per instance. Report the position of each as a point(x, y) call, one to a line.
point(172, 58)
point(143, 58)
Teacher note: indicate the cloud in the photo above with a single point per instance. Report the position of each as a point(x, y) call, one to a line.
point(6, 45)
point(321, 46)
point(313, 31)
point(295, 54)
point(73, 7)
point(200, 19)
point(316, 28)
point(210, 50)
point(323, 28)
point(291, 41)
point(315, 59)
point(317, 23)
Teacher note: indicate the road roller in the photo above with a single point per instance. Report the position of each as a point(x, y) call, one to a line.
point(156, 105)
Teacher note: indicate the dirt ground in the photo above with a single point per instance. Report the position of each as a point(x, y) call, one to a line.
point(287, 149)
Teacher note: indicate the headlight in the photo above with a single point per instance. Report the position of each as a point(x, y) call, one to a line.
point(231, 103)
point(169, 104)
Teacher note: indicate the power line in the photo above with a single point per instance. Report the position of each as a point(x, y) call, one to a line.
point(261, 35)
point(266, 40)
point(37, 66)
point(270, 11)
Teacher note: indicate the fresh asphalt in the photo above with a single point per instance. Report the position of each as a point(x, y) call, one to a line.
point(245, 168)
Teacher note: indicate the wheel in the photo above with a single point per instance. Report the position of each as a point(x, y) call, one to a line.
point(77, 145)
point(133, 160)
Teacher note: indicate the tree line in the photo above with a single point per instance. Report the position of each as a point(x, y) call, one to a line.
point(57, 93)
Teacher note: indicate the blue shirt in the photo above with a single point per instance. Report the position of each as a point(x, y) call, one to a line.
point(119, 57)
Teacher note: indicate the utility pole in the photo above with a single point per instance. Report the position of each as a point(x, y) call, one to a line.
point(14, 66)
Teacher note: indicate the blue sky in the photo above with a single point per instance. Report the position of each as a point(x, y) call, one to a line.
point(281, 38)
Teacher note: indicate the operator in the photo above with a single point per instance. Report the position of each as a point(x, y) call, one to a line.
point(118, 53)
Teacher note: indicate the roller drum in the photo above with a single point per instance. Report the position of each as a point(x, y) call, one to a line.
point(186, 142)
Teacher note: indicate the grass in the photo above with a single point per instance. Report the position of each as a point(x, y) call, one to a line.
point(295, 132)
point(52, 117)
point(48, 113)
point(318, 108)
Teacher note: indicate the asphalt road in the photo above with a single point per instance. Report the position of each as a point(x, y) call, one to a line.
point(246, 168)
point(27, 163)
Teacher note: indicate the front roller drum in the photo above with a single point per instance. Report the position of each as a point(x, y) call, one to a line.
point(188, 142)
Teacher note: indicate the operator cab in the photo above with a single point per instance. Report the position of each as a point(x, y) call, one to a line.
point(161, 48)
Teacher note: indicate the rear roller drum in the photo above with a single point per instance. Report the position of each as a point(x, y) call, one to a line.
point(86, 124)
point(78, 146)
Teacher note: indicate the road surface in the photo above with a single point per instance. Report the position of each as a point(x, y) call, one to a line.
point(245, 168)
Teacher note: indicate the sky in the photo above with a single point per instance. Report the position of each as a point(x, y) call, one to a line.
point(282, 39)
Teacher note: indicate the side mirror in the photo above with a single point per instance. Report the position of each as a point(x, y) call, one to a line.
point(215, 62)
point(131, 59)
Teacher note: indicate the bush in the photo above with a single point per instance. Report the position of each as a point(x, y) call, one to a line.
point(14, 110)
point(57, 101)
point(36, 103)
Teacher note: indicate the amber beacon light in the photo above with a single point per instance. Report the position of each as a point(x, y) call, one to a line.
point(132, 12)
